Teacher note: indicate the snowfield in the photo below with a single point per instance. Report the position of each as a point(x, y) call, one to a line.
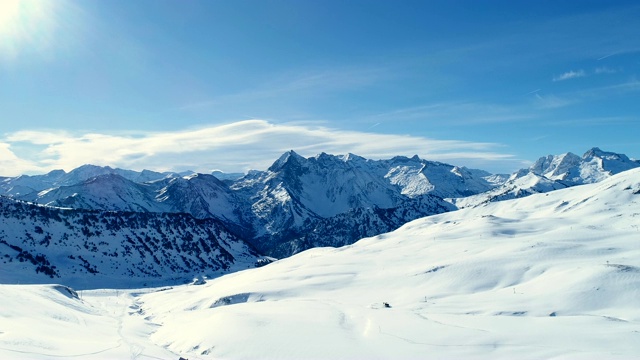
point(554, 275)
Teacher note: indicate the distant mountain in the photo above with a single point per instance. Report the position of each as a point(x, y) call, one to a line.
point(298, 197)
point(115, 249)
point(104, 192)
point(26, 185)
point(205, 196)
point(226, 176)
point(554, 172)
point(594, 166)
point(281, 210)
point(324, 200)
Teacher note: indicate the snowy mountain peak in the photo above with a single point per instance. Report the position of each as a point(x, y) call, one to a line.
point(88, 171)
point(56, 174)
point(556, 167)
point(610, 162)
point(605, 155)
point(285, 158)
point(405, 159)
point(191, 176)
point(595, 165)
point(352, 157)
point(554, 172)
point(326, 158)
point(597, 152)
point(284, 209)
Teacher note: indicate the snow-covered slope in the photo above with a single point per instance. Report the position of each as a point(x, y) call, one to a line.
point(94, 249)
point(553, 275)
point(550, 275)
point(516, 187)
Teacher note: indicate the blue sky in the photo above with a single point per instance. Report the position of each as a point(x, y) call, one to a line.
point(230, 85)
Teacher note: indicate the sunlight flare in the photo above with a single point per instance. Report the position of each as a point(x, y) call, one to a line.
point(25, 25)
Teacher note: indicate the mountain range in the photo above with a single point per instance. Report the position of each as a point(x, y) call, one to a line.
point(554, 172)
point(548, 276)
point(296, 204)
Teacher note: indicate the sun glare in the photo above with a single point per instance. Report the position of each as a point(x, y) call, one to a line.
point(10, 12)
point(24, 24)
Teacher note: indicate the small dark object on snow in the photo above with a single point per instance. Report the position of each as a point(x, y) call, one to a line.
point(386, 304)
point(181, 358)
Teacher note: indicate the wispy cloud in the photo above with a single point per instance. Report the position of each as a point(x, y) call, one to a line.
point(239, 146)
point(570, 75)
point(553, 101)
point(285, 86)
point(593, 121)
point(582, 73)
point(455, 113)
point(604, 70)
point(631, 50)
point(631, 85)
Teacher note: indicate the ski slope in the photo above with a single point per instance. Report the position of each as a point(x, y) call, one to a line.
point(553, 275)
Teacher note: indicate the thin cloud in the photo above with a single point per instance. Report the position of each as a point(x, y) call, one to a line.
point(570, 75)
point(606, 56)
point(455, 113)
point(234, 147)
point(604, 70)
point(630, 50)
point(593, 121)
point(588, 94)
point(302, 83)
point(631, 85)
point(553, 101)
point(582, 73)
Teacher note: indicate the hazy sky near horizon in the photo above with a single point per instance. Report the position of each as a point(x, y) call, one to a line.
point(230, 85)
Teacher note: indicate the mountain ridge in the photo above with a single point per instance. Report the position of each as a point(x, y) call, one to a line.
point(553, 172)
point(92, 248)
point(281, 210)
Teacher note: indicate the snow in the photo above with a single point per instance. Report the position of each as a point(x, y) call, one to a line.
point(410, 179)
point(553, 172)
point(594, 166)
point(553, 275)
point(52, 321)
